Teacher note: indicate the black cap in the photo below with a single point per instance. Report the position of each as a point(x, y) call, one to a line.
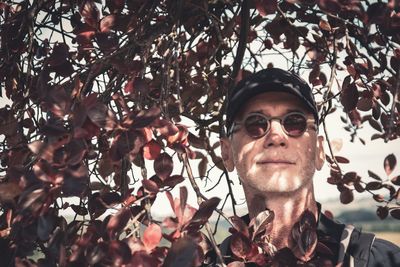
point(268, 80)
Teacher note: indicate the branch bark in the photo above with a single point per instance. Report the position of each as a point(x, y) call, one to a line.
point(199, 201)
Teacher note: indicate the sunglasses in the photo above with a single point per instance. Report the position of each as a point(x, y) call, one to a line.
point(257, 125)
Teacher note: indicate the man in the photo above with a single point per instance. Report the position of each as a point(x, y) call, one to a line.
point(272, 141)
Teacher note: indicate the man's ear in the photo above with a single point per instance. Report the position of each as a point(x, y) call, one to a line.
point(320, 153)
point(226, 153)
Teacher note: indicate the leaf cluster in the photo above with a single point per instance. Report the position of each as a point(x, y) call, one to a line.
point(108, 98)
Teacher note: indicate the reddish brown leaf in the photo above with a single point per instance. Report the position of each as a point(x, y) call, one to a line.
point(90, 13)
point(376, 112)
point(115, 6)
point(59, 55)
point(324, 25)
point(218, 161)
point(328, 159)
point(389, 163)
point(105, 166)
point(266, 7)
point(374, 176)
point(152, 236)
point(203, 164)
point(8, 192)
point(268, 44)
point(179, 137)
point(150, 186)
point(396, 180)
point(385, 98)
point(355, 117)
point(135, 85)
point(240, 226)
point(196, 142)
point(101, 116)
point(165, 127)
point(240, 245)
point(307, 242)
point(151, 150)
point(395, 213)
point(359, 188)
point(346, 196)
point(75, 180)
point(375, 124)
point(45, 172)
point(349, 97)
point(340, 159)
point(382, 212)
point(8, 123)
point(349, 177)
point(76, 150)
point(329, 214)
point(118, 221)
point(376, 136)
point(163, 166)
point(364, 104)
point(204, 212)
point(171, 223)
point(373, 186)
point(146, 117)
point(330, 6)
point(107, 23)
point(378, 198)
point(32, 199)
point(129, 88)
point(127, 142)
point(262, 224)
point(333, 180)
point(397, 195)
point(42, 149)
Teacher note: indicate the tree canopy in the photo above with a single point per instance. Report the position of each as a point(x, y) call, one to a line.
point(101, 90)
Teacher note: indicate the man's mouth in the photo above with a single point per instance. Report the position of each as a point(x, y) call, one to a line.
point(276, 161)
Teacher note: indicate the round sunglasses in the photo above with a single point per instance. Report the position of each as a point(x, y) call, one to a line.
point(257, 125)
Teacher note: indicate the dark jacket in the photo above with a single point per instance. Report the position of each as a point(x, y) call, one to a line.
point(349, 245)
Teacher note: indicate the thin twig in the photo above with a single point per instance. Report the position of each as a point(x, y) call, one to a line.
point(330, 147)
point(244, 30)
point(392, 126)
point(228, 181)
point(199, 201)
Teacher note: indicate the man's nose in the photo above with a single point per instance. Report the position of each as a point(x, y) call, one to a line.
point(276, 136)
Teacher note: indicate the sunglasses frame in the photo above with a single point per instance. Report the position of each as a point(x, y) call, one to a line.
point(270, 119)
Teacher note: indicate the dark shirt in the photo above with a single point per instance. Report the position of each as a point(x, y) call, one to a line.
point(360, 250)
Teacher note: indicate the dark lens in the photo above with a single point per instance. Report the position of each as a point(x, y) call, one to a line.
point(256, 125)
point(295, 124)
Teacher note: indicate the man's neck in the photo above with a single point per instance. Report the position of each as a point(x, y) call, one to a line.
point(287, 209)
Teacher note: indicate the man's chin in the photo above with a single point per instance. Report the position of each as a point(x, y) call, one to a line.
point(273, 184)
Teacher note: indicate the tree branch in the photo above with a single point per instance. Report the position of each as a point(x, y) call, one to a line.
point(199, 201)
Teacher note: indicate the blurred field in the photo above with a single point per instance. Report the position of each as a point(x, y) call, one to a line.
point(393, 237)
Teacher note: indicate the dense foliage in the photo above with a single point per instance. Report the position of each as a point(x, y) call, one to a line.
point(101, 90)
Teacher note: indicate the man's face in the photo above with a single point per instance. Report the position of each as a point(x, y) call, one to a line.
point(275, 162)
